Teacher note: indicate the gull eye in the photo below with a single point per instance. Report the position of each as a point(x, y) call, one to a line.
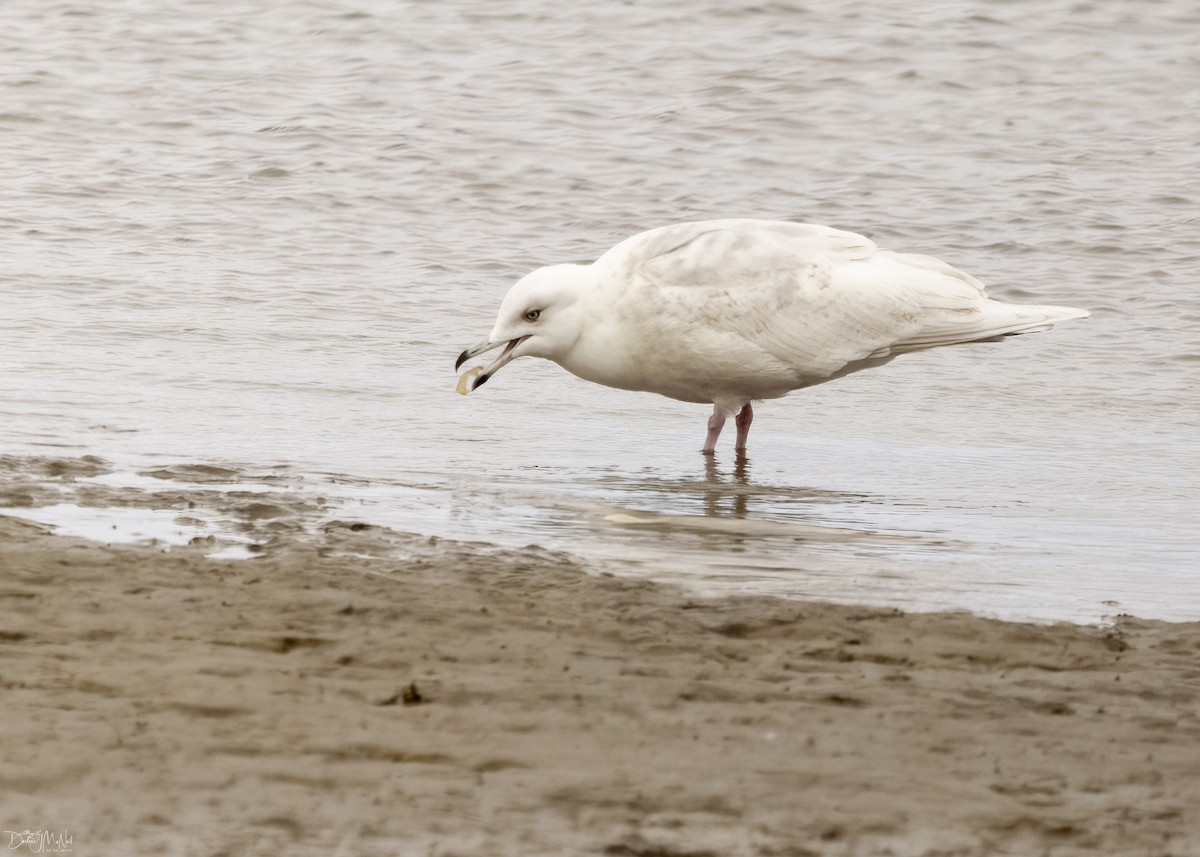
point(533, 315)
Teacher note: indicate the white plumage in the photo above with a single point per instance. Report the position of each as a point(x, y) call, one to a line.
point(730, 311)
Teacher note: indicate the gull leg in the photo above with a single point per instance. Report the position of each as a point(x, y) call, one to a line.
point(744, 418)
point(715, 423)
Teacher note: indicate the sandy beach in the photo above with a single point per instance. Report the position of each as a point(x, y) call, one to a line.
point(354, 690)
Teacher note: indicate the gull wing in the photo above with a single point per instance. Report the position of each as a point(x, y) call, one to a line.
point(800, 303)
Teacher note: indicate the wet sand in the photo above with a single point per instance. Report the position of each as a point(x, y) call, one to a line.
point(357, 691)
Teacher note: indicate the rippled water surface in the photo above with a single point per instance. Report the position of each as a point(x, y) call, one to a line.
point(261, 234)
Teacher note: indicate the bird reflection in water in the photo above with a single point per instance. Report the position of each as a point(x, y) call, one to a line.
point(727, 499)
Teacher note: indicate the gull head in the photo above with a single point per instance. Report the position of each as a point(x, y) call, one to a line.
point(540, 316)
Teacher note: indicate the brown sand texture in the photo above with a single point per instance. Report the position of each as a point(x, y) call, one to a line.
point(358, 691)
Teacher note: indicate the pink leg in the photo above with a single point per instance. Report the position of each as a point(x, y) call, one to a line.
point(715, 423)
point(744, 418)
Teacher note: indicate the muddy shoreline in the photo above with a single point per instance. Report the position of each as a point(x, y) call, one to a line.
point(354, 690)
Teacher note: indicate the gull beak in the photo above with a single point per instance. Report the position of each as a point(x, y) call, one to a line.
point(475, 351)
point(496, 365)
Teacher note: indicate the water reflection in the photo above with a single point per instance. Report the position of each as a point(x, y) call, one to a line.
point(718, 490)
point(728, 511)
point(729, 494)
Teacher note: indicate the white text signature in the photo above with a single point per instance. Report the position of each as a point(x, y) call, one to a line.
point(40, 841)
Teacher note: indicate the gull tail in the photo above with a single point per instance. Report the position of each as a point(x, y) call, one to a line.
point(987, 322)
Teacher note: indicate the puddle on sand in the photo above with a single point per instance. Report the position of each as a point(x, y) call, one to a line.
point(114, 525)
point(136, 524)
point(228, 511)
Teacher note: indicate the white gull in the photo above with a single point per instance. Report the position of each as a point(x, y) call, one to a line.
point(732, 311)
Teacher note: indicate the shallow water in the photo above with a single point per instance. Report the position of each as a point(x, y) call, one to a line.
point(262, 236)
